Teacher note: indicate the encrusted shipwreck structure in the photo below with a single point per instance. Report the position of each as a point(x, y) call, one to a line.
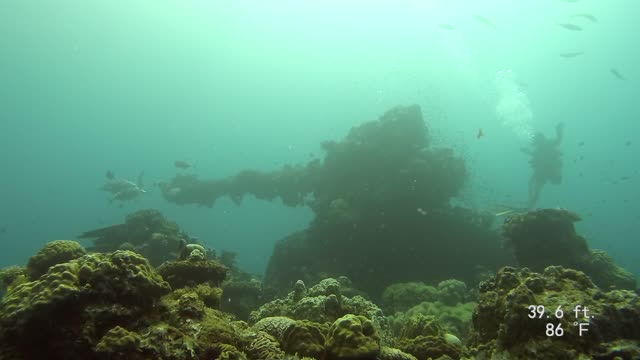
point(381, 199)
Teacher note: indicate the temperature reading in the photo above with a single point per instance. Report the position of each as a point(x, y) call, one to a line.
point(554, 330)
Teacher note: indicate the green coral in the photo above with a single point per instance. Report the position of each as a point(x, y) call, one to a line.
point(352, 337)
point(402, 296)
point(54, 252)
point(264, 346)
point(605, 273)
point(105, 285)
point(424, 337)
point(502, 327)
point(305, 338)
point(210, 296)
point(431, 347)
point(453, 319)
point(12, 276)
point(119, 340)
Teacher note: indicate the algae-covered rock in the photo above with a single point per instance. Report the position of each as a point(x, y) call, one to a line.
point(54, 252)
point(352, 337)
point(193, 271)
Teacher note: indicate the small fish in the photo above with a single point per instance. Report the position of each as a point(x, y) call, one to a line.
point(110, 175)
point(581, 143)
point(568, 55)
point(617, 74)
point(628, 143)
point(485, 21)
point(569, 26)
point(586, 16)
point(180, 164)
point(446, 27)
point(480, 134)
point(3, 230)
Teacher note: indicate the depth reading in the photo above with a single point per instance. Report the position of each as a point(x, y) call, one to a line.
point(579, 312)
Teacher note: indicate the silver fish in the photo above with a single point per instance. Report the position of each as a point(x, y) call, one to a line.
point(128, 194)
point(115, 186)
point(569, 26)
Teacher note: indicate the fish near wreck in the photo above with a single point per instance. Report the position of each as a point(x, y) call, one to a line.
point(115, 185)
point(123, 189)
point(128, 194)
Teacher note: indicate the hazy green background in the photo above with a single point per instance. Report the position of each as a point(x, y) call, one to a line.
point(87, 86)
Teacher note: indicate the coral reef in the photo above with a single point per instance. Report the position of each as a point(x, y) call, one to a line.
point(322, 303)
point(526, 315)
point(423, 337)
point(116, 287)
point(116, 306)
point(54, 252)
point(193, 271)
point(352, 337)
point(548, 237)
point(11, 276)
point(146, 232)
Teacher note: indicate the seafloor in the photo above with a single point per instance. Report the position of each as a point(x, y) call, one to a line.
point(388, 269)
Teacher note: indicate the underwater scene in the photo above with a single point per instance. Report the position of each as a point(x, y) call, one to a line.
point(328, 180)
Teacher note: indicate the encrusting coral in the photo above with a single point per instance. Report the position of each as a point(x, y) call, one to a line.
point(548, 237)
point(518, 308)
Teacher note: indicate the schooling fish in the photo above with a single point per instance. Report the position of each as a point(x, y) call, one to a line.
point(484, 20)
point(447, 27)
point(480, 134)
point(617, 74)
point(569, 26)
point(571, 54)
point(180, 164)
